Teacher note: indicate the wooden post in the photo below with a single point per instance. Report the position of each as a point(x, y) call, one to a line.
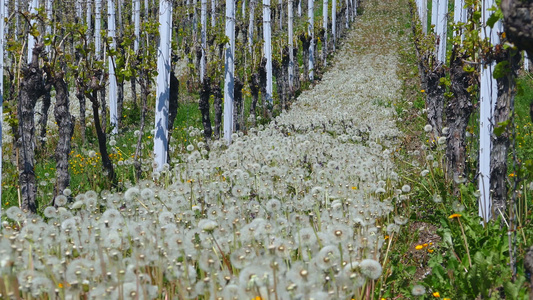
point(488, 96)
point(163, 84)
point(229, 71)
point(111, 33)
point(267, 33)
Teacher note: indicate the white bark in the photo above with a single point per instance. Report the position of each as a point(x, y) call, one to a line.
point(137, 22)
point(488, 96)
point(203, 18)
point(311, 32)
point(300, 8)
point(111, 32)
point(267, 35)
point(291, 43)
point(334, 22)
point(34, 4)
point(229, 71)
point(2, 41)
point(163, 84)
point(97, 28)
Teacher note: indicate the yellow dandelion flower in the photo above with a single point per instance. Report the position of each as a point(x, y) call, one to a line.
point(436, 295)
point(454, 216)
point(419, 247)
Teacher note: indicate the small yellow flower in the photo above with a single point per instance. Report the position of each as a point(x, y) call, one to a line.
point(419, 247)
point(436, 295)
point(430, 250)
point(454, 216)
point(354, 188)
point(422, 91)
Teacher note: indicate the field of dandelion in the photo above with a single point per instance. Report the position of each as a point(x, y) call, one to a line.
point(342, 197)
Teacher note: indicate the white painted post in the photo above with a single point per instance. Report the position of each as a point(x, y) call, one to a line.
point(325, 26)
point(267, 35)
point(137, 22)
point(334, 22)
point(347, 15)
point(34, 4)
point(97, 28)
point(203, 19)
point(48, 29)
point(291, 42)
point(88, 17)
point(526, 62)
point(311, 32)
point(112, 77)
point(488, 96)
point(424, 16)
point(78, 9)
point(6, 13)
point(17, 20)
point(300, 8)
point(459, 12)
point(146, 11)
point(439, 19)
point(2, 16)
point(251, 25)
point(229, 71)
point(163, 84)
point(213, 13)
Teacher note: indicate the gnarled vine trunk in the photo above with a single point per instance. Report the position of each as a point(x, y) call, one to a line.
point(501, 138)
point(458, 111)
point(65, 123)
point(217, 93)
point(203, 105)
point(31, 88)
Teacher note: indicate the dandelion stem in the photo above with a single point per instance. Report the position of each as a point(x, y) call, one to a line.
point(466, 242)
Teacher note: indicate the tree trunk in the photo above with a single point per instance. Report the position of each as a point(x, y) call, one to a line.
point(501, 140)
point(44, 118)
point(435, 99)
point(100, 133)
point(120, 100)
point(254, 90)
point(31, 88)
point(81, 98)
point(203, 105)
point(306, 42)
point(458, 111)
point(144, 82)
point(518, 23)
point(263, 86)
point(172, 107)
point(217, 93)
point(65, 123)
point(238, 102)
